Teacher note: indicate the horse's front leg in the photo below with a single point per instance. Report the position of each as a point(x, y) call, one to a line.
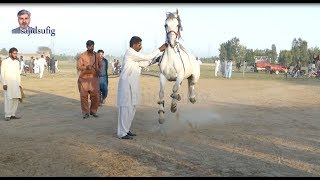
point(191, 83)
point(163, 81)
point(175, 96)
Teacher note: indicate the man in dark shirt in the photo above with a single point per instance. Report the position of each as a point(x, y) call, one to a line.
point(52, 65)
point(103, 78)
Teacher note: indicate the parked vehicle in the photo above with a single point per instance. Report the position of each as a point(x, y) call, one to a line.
point(269, 67)
point(275, 68)
point(261, 66)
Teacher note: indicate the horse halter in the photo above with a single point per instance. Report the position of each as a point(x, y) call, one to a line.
point(177, 33)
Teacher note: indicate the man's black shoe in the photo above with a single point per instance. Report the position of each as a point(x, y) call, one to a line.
point(94, 115)
point(126, 137)
point(15, 117)
point(85, 116)
point(131, 134)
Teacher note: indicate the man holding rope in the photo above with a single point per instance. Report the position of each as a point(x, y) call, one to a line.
point(129, 84)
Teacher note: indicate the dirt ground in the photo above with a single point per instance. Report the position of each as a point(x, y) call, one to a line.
point(237, 127)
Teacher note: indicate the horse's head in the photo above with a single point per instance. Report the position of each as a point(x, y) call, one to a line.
point(173, 28)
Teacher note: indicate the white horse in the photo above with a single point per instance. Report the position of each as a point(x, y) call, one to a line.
point(176, 64)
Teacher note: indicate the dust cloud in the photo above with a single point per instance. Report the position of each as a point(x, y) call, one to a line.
point(188, 117)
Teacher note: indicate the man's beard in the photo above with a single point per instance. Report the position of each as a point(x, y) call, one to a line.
point(24, 25)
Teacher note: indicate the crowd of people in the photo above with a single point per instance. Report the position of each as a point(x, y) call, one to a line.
point(313, 69)
point(223, 68)
point(12, 68)
point(115, 67)
point(37, 65)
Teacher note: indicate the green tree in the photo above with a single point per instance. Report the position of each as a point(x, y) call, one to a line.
point(241, 53)
point(3, 51)
point(299, 50)
point(223, 51)
point(268, 53)
point(44, 48)
point(312, 52)
point(274, 54)
point(259, 52)
point(232, 49)
point(285, 58)
point(235, 46)
point(249, 57)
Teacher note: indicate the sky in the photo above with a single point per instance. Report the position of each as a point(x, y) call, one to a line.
point(205, 26)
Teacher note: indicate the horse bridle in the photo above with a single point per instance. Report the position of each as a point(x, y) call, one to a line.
point(176, 33)
point(177, 36)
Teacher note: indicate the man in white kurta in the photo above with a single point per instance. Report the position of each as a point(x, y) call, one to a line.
point(41, 63)
point(217, 63)
point(129, 85)
point(229, 69)
point(36, 66)
point(11, 81)
point(22, 64)
point(56, 65)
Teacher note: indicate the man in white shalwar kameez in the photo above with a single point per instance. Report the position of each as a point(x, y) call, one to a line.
point(22, 64)
point(129, 85)
point(217, 67)
point(36, 66)
point(41, 63)
point(11, 81)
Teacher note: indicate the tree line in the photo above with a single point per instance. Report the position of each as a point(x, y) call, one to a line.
point(233, 49)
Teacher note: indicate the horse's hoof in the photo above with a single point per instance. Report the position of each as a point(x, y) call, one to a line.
point(192, 100)
point(161, 117)
point(178, 97)
point(161, 121)
point(173, 109)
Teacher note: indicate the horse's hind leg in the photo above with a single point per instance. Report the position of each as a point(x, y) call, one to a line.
point(163, 81)
point(191, 83)
point(175, 96)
